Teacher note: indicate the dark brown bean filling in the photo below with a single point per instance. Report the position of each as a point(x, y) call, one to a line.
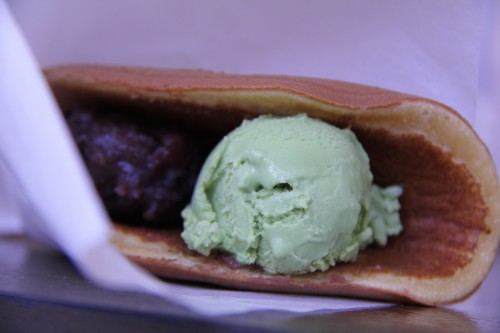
point(143, 172)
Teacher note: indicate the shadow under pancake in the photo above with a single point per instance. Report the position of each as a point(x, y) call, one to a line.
point(400, 318)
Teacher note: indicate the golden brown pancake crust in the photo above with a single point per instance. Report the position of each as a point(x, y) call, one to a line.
point(450, 204)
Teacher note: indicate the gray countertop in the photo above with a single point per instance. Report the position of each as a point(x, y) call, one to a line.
point(41, 291)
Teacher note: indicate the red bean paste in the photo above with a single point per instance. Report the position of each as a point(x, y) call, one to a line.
point(145, 173)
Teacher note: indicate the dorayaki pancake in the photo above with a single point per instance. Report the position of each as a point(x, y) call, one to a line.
point(451, 201)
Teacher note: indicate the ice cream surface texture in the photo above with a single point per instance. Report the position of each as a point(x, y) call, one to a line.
point(290, 194)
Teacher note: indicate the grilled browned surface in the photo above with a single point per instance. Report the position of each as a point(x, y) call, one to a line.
point(450, 206)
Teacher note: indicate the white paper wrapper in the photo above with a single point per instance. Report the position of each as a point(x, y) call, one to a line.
point(428, 48)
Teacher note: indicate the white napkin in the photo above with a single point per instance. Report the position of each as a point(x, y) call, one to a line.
point(429, 48)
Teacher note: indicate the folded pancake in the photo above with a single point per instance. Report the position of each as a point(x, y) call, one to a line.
point(451, 201)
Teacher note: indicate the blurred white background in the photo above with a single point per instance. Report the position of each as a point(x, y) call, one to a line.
point(425, 47)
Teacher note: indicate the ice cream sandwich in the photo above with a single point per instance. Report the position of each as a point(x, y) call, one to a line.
point(449, 207)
